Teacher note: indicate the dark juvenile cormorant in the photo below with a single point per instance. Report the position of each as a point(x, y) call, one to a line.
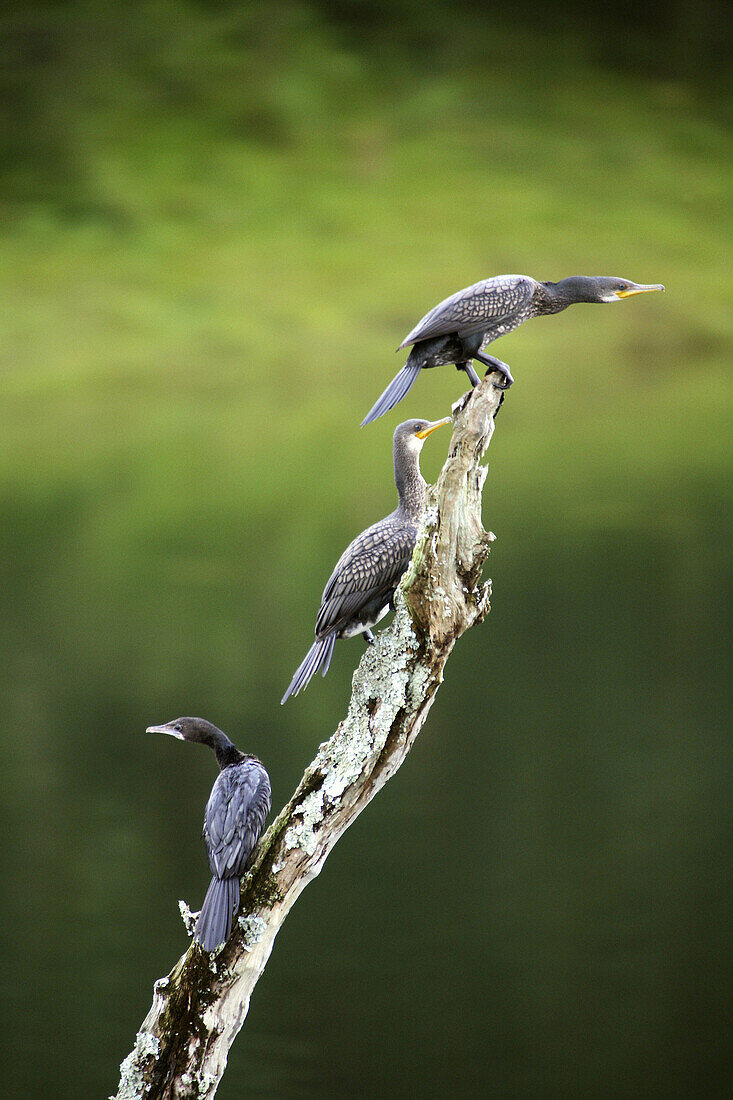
point(362, 586)
point(458, 329)
point(235, 815)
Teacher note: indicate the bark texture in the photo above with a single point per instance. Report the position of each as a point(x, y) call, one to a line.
point(181, 1050)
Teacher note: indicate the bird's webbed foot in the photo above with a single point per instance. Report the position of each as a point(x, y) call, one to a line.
point(496, 364)
point(467, 365)
point(369, 637)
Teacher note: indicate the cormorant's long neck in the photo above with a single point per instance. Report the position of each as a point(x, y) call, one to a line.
point(554, 297)
point(410, 483)
point(226, 752)
point(568, 292)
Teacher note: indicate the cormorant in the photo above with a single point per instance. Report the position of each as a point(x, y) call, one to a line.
point(362, 586)
point(235, 815)
point(458, 329)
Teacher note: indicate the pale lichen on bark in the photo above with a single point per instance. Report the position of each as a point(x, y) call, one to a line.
point(181, 1049)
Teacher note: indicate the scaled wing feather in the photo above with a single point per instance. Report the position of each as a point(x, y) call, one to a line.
point(372, 564)
point(483, 305)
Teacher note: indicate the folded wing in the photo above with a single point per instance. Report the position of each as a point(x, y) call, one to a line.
point(486, 304)
point(367, 571)
point(235, 816)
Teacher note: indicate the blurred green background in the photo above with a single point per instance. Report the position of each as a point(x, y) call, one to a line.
point(217, 223)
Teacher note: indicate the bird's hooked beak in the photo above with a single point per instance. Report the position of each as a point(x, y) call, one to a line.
point(431, 427)
point(638, 288)
point(165, 729)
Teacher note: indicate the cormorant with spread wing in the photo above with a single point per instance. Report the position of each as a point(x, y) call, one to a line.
point(235, 816)
point(459, 328)
point(362, 586)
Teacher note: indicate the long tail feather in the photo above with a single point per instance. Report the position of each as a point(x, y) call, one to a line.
point(318, 656)
point(395, 391)
point(326, 662)
point(214, 925)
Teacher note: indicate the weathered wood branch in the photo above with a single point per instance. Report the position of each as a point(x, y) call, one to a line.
point(181, 1049)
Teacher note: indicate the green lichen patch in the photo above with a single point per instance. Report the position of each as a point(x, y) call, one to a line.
point(132, 1071)
point(262, 890)
point(253, 929)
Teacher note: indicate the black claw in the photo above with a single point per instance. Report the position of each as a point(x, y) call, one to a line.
point(494, 364)
point(369, 637)
point(503, 369)
point(508, 380)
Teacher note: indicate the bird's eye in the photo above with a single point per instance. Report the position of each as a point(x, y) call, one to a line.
point(621, 286)
point(177, 727)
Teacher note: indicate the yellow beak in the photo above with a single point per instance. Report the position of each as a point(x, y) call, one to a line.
point(639, 288)
point(431, 427)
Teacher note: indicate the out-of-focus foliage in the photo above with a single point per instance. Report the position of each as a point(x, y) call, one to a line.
point(79, 77)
